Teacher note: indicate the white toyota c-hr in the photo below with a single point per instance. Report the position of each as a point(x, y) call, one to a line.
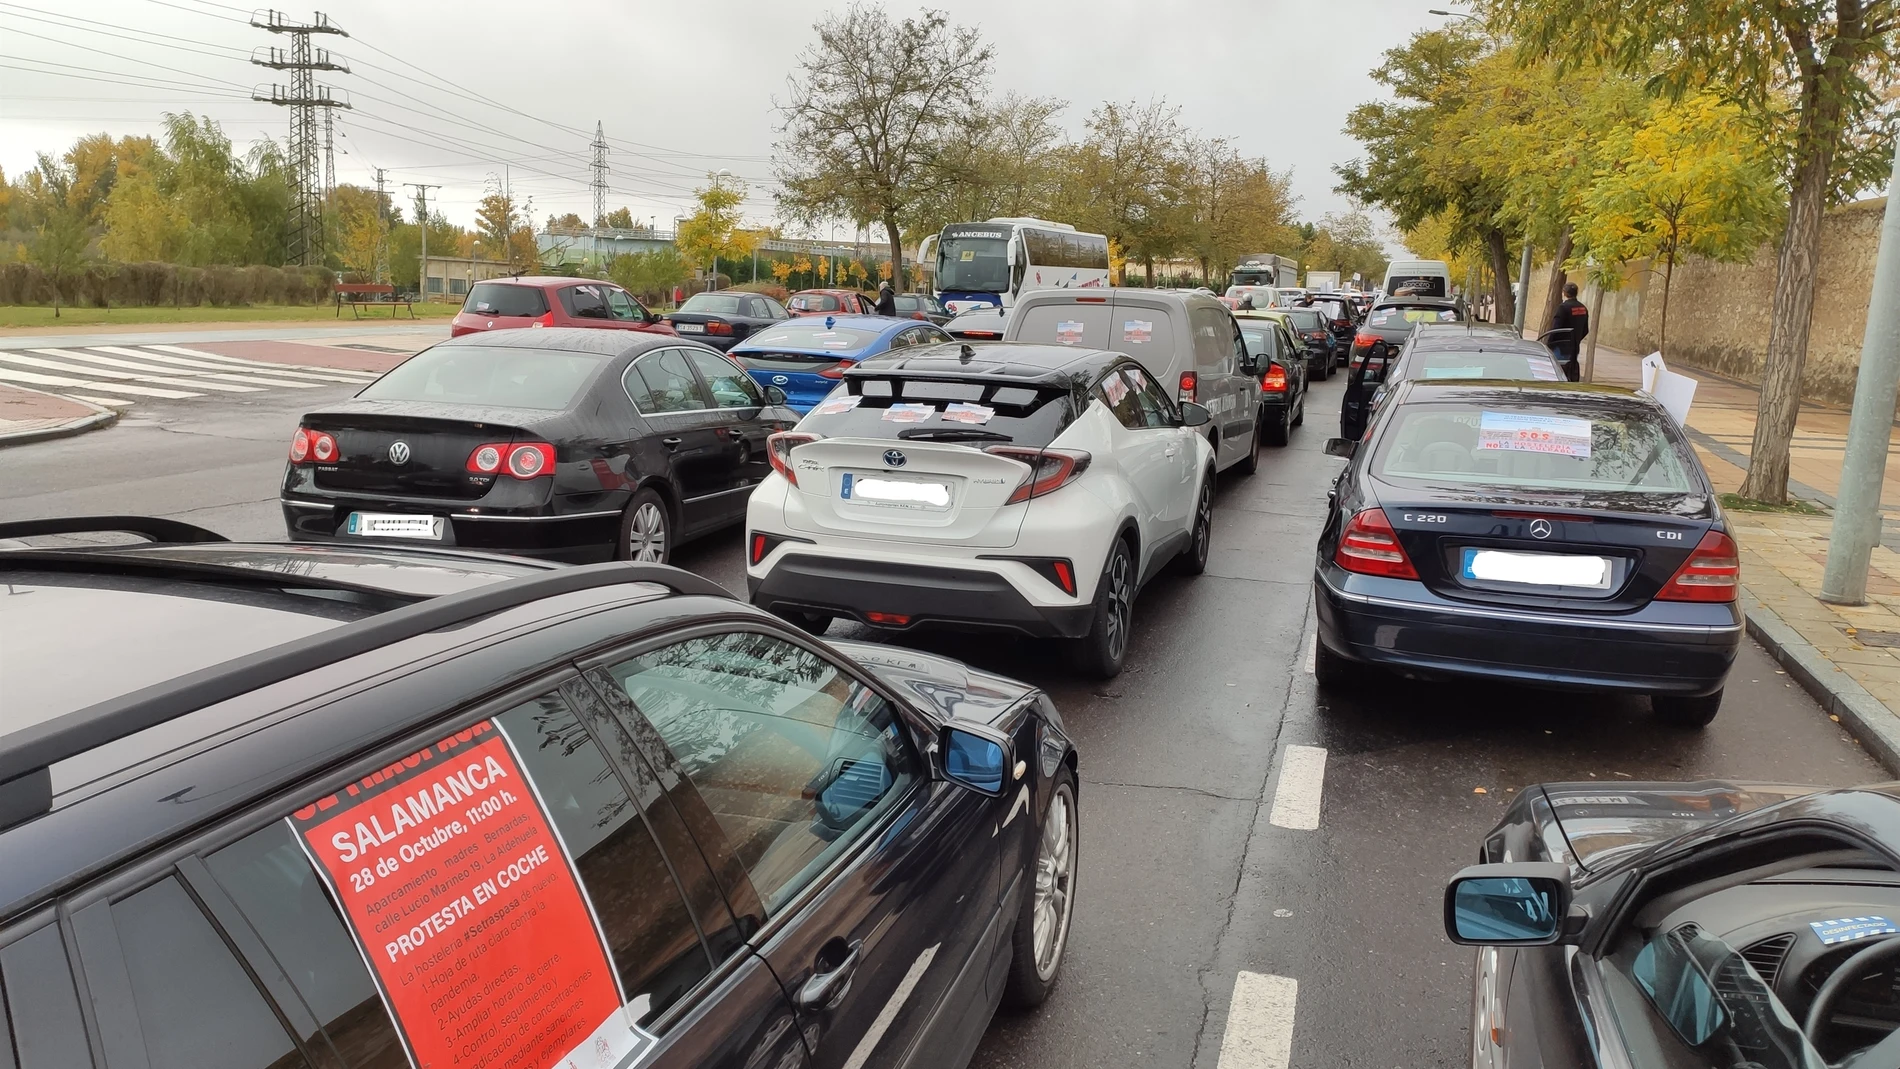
point(1027, 488)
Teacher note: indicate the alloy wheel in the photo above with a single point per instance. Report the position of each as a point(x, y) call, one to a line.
point(1203, 521)
point(1055, 883)
point(1120, 595)
point(646, 536)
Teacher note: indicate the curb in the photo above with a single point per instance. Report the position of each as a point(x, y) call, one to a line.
point(101, 417)
point(1872, 723)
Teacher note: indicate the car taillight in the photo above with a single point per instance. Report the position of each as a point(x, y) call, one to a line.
point(308, 445)
point(546, 319)
point(299, 446)
point(1365, 339)
point(778, 449)
point(835, 371)
point(1338, 323)
point(1318, 335)
point(715, 327)
point(1274, 381)
point(1189, 381)
point(1712, 572)
point(979, 334)
point(1049, 469)
point(522, 460)
point(1370, 546)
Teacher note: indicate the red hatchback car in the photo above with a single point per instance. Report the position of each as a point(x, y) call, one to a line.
point(830, 302)
point(540, 301)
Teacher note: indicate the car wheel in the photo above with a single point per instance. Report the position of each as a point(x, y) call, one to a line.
point(1685, 712)
point(1251, 462)
point(1329, 668)
point(1042, 926)
point(646, 530)
point(1193, 559)
point(1100, 652)
point(1326, 372)
point(816, 623)
point(1278, 428)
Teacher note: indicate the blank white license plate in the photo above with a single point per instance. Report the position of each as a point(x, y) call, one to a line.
point(393, 525)
point(1537, 569)
point(690, 328)
point(895, 493)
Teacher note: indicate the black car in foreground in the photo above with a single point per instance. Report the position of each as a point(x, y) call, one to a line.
point(724, 318)
point(1377, 341)
point(1685, 926)
point(292, 805)
point(573, 445)
point(1277, 361)
point(1559, 535)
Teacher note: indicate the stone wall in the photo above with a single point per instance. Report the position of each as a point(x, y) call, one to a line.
point(1719, 313)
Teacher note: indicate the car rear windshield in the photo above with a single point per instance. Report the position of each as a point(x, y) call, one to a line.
point(480, 375)
point(506, 299)
point(1139, 332)
point(1334, 309)
point(1306, 319)
point(1533, 448)
point(716, 303)
point(1393, 315)
point(811, 333)
point(1030, 414)
point(815, 302)
point(1480, 365)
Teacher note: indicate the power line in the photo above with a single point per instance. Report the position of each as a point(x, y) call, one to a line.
point(305, 98)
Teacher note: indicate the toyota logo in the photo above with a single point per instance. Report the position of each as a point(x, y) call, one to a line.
point(779, 380)
point(894, 458)
point(1540, 528)
point(399, 453)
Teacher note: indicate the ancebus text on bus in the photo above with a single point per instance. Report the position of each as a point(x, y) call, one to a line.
point(993, 262)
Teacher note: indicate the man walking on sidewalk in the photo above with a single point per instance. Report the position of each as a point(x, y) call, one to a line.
point(1573, 321)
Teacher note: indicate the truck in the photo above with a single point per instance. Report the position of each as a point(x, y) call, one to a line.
point(1322, 281)
point(1266, 269)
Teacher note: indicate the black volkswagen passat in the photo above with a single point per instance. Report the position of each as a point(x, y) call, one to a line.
point(568, 444)
point(1559, 535)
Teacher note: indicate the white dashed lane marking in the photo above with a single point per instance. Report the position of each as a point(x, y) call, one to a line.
point(1259, 1022)
point(1296, 799)
point(118, 375)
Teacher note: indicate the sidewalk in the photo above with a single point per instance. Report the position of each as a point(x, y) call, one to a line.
point(31, 416)
point(1848, 657)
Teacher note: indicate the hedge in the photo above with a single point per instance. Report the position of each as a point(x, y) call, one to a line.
point(108, 285)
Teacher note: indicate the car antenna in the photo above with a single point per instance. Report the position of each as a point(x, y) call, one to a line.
point(966, 354)
point(829, 321)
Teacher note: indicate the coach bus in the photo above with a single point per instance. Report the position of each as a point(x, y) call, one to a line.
point(992, 262)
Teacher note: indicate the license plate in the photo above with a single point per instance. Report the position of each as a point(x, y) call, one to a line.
point(690, 328)
point(393, 525)
point(927, 495)
point(1537, 569)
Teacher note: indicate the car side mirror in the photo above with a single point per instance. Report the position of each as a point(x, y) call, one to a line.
point(1522, 904)
point(1194, 415)
point(1344, 448)
point(976, 757)
point(774, 395)
point(1250, 364)
point(648, 315)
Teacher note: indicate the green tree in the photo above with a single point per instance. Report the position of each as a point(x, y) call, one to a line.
point(1128, 179)
point(873, 105)
point(621, 218)
point(59, 247)
point(652, 275)
point(1811, 79)
point(713, 231)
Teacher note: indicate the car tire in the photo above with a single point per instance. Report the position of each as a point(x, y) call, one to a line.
point(1251, 462)
point(1193, 559)
point(1330, 670)
point(1681, 711)
point(1326, 373)
point(815, 623)
point(1279, 429)
point(1048, 903)
point(1301, 417)
point(1100, 653)
point(646, 530)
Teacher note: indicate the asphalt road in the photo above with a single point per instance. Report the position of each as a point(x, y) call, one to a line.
point(1189, 886)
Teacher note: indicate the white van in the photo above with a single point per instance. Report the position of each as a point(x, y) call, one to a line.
point(1427, 278)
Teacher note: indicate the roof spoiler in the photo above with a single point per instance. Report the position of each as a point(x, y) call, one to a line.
point(151, 527)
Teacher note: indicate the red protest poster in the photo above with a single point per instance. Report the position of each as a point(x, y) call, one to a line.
point(469, 913)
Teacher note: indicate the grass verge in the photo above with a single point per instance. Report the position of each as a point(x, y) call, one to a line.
point(15, 315)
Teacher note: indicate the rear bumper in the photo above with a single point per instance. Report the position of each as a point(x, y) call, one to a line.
point(721, 342)
point(1665, 648)
point(962, 598)
point(558, 532)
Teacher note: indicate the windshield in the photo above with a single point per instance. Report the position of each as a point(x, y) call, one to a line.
point(811, 333)
point(1531, 448)
point(1028, 414)
point(968, 264)
point(1480, 365)
point(1305, 319)
point(716, 303)
point(478, 375)
point(505, 299)
point(1393, 315)
point(1256, 339)
point(814, 302)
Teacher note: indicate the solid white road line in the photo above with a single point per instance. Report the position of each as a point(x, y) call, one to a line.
point(862, 1052)
point(1296, 799)
point(37, 379)
point(1259, 1022)
point(148, 365)
point(275, 371)
point(84, 363)
point(62, 366)
point(1312, 650)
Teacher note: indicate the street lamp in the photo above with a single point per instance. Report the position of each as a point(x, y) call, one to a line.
point(1454, 15)
point(474, 253)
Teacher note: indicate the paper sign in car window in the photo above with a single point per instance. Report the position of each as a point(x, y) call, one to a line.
point(1528, 432)
point(963, 412)
point(1454, 373)
point(1069, 331)
point(1138, 331)
point(835, 405)
point(967, 255)
point(1114, 389)
point(483, 944)
point(1848, 929)
point(909, 413)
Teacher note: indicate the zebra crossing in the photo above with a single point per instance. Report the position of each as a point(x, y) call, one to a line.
point(118, 376)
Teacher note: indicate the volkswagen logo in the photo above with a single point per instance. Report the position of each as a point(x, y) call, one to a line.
point(894, 458)
point(399, 453)
point(779, 380)
point(1540, 528)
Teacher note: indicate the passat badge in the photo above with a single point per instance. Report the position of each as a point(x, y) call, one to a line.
point(1540, 528)
point(894, 458)
point(399, 453)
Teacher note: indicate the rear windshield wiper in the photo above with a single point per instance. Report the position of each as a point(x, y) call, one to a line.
point(954, 434)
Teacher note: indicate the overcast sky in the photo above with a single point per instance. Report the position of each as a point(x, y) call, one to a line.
point(680, 88)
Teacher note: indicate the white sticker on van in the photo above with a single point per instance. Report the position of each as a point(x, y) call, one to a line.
point(836, 405)
point(901, 413)
point(1138, 330)
point(1069, 331)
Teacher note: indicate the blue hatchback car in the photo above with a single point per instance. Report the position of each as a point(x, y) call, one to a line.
point(807, 356)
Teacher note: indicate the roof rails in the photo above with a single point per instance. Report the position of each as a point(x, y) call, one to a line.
point(26, 756)
point(158, 530)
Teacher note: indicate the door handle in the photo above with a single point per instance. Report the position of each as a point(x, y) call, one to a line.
point(671, 443)
point(823, 987)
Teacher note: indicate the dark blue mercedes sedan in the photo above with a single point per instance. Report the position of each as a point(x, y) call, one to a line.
point(1560, 535)
point(306, 805)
